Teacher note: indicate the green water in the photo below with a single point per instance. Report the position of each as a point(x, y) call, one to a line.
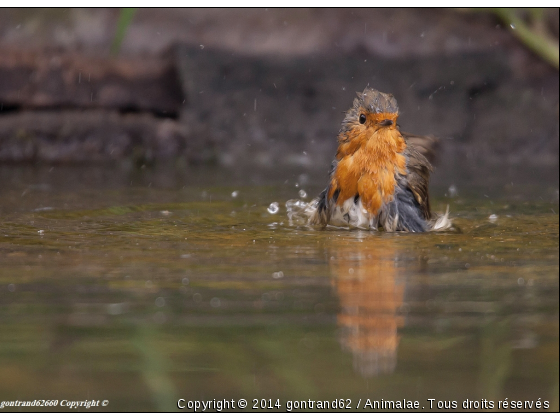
point(142, 290)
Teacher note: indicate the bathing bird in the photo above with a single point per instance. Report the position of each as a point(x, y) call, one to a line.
point(378, 179)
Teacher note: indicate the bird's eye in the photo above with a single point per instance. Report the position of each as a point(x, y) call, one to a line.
point(362, 119)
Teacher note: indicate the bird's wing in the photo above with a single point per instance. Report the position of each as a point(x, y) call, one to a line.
point(427, 145)
point(418, 177)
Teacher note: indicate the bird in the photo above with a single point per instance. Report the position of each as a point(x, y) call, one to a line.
point(379, 180)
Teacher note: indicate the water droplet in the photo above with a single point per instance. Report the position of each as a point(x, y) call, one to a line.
point(201, 46)
point(273, 208)
point(452, 191)
point(277, 275)
point(12, 287)
point(160, 302)
point(302, 194)
point(493, 218)
point(521, 281)
point(215, 302)
point(235, 194)
point(165, 212)
point(185, 281)
point(197, 297)
point(41, 232)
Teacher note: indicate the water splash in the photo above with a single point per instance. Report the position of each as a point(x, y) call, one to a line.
point(273, 208)
point(299, 211)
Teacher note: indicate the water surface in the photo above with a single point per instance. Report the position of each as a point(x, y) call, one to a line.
point(144, 288)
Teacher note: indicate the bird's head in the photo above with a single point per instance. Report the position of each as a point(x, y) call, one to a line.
point(372, 111)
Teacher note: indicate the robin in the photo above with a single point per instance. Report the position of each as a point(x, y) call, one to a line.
point(378, 179)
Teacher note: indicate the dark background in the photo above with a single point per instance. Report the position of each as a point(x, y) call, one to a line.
point(268, 87)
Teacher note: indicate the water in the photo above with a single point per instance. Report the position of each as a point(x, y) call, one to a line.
point(141, 288)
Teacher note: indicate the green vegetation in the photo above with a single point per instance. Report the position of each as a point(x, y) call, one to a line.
point(125, 17)
point(530, 27)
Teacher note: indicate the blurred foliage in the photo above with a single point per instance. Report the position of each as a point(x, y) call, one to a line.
point(530, 26)
point(125, 17)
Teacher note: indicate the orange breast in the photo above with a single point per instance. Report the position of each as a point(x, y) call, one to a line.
point(370, 168)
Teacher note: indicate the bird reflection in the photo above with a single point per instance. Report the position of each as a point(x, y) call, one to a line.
point(365, 278)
